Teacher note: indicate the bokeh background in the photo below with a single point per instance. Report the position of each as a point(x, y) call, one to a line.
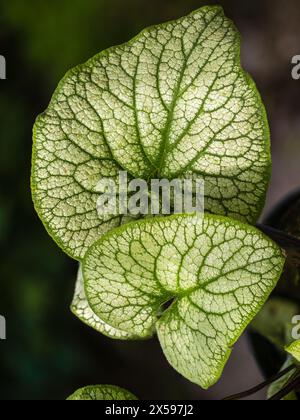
point(48, 353)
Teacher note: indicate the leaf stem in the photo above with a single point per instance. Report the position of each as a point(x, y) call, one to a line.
point(291, 386)
point(289, 243)
point(261, 386)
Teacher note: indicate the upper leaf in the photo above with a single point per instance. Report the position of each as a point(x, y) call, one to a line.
point(215, 272)
point(101, 392)
point(294, 350)
point(172, 102)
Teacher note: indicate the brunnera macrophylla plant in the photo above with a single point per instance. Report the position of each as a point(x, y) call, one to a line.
point(172, 103)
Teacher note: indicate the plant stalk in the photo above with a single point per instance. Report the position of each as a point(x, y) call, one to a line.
point(291, 386)
point(289, 243)
point(261, 386)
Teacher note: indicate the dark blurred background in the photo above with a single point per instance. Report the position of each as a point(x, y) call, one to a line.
point(48, 353)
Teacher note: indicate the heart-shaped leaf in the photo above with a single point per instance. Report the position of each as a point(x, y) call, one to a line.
point(213, 273)
point(81, 308)
point(100, 393)
point(173, 102)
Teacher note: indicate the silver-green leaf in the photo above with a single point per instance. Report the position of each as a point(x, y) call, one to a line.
point(213, 273)
point(101, 392)
point(81, 308)
point(173, 102)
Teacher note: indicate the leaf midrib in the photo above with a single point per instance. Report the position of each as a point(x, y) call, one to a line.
point(167, 130)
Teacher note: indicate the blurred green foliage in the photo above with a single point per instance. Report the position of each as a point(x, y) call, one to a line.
point(56, 35)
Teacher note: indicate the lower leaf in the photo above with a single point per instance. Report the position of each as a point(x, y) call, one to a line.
point(213, 273)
